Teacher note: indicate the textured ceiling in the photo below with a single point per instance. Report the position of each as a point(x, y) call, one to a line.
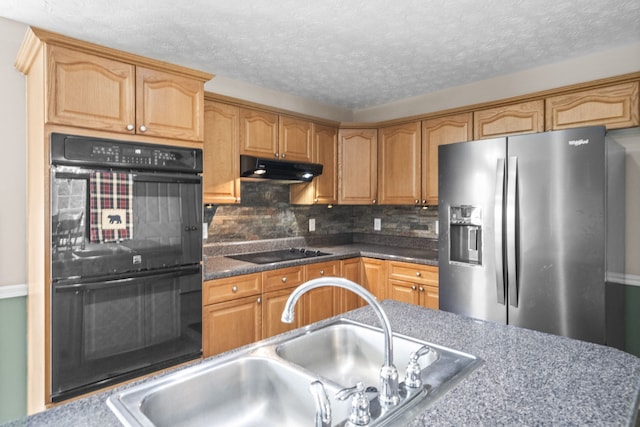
point(348, 53)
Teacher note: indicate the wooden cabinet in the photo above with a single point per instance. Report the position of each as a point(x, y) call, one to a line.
point(324, 188)
point(350, 269)
point(616, 106)
point(277, 286)
point(294, 139)
point(400, 164)
point(437, 132)
point(221, 174)
point(374, 277)
point(413, 283)
point(106, 94)
point(523, 117)
point(322, 302)
point(357, 166)
point(265, 134)
point(231, 313)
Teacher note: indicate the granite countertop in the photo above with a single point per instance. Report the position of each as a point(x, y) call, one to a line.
point(219, 266)
point(528, 378)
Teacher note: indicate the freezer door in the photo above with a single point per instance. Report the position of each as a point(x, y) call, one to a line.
point(471, 182)
point(556, 236)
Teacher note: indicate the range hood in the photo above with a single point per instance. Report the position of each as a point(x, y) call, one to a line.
point(281, 171)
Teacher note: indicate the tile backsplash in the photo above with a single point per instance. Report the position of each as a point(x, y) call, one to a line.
point(265, 213)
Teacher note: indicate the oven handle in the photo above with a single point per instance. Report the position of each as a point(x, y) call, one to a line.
point(94, 283)
point(81, 173)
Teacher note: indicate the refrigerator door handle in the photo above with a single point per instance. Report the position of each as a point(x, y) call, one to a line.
point(511, 216)
point(499, 200)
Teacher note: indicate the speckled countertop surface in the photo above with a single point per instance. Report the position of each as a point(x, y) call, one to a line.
point(528, 378)
point(219, 266)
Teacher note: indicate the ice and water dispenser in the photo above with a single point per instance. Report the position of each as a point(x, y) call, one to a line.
point(465, 232)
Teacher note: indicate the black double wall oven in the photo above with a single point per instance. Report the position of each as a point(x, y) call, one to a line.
point(126, 279)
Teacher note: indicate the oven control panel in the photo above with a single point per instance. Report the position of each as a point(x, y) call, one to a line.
point(89, 151)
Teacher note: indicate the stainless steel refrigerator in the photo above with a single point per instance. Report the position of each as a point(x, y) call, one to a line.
point(524, 223)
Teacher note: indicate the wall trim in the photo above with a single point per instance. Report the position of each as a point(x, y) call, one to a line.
point(13, 291)
point(623, 279)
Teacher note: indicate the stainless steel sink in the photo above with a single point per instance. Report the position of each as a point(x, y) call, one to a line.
point(345, 353)
point(249, 391)
point(267, 383)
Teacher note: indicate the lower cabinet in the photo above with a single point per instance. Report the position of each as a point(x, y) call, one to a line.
point(277, 285)
point(374, 277)
point(321, 303)
point(231, 324)
point(350, 269)
point(413, 283)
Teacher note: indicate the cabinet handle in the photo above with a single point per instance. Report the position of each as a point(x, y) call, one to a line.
point(413, 287)
point(143, 128)
point(418, 274)
point(284, 280)
point(130, 127)
point(234, 289)
point(259, 300)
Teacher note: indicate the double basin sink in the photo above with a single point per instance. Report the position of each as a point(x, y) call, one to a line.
point(267, 383)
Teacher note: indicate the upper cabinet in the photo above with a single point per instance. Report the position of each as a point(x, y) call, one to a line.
point(615, 106)
point(266, 134)
point(400, 164)
point(357, 166)
point(91, 91)
point(324, 188)
point(221, 175)
point(523, 117)
point(437, 132)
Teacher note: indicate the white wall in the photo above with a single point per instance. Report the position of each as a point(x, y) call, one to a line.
point(13, 171)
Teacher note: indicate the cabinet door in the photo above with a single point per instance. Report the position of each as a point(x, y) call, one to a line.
point(437, 132)
point(231, 324)
point(357, 166)
point(89, 91)
point(294, 139)
point(350, 269)
point(399, 165)
point(429, 297)
point(221, 175)
point(524, 117)
point(272, 306)
point(258, 133)
point(616, 106)
point(324, 188)
point(374, 277)
point(168, 105)
point(404, 292)
point(320, 303)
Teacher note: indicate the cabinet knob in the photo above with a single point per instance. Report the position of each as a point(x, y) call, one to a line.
point(424, 201)
point(417, 201)
point(234, 289)
point(259, 301)
point(130, 127)
point(237, 199)
point(421, 289)
point(414, 287)
point(375, 201)
point(283, 155)
point(143, 128)
point(315, 200)
point(284, 280)
point(277, 155)
point(322, 272)
point(418, 274)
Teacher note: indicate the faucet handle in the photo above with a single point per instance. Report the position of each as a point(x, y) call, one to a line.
point(360, 415)
point(323, 407)
point(412, 377)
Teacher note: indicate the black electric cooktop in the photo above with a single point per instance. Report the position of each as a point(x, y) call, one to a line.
point(279, 255)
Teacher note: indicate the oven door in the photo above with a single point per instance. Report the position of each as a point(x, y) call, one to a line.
point(107, 331)
point(164, 224)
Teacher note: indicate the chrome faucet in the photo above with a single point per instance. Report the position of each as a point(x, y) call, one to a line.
point(388, 373)
point(323, 407)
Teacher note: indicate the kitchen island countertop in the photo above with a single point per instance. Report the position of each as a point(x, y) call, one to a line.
point(216, 267)
point(528, 377)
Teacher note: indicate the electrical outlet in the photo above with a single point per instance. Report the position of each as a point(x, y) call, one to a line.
point(437, 227)
point(312, 224)
point(377, 224)
point(205, 231)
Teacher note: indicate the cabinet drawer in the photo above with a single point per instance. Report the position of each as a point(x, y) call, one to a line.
point(282, 278)
point(230, 288)
point(416, 273)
